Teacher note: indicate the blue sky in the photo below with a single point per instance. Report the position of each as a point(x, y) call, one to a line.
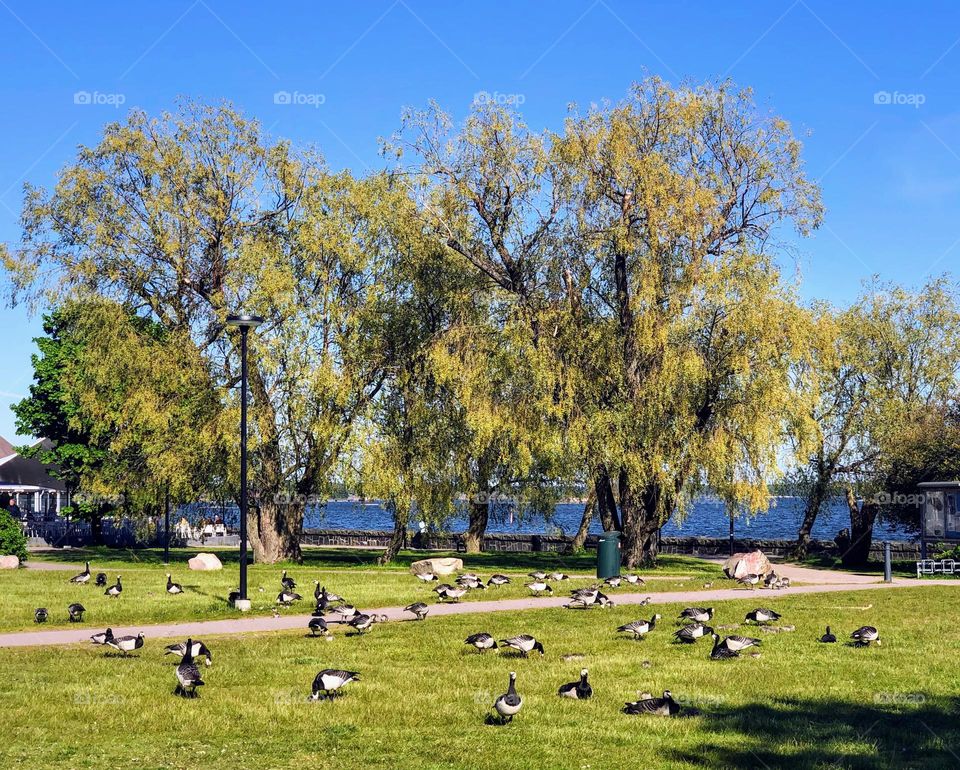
point(872, 87)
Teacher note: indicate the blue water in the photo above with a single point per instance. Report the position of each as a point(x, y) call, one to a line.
point(707, 518)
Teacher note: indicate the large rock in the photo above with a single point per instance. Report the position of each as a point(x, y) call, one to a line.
point(753, 563)
point(440, 566)
point(9, 562)
point(205, 561)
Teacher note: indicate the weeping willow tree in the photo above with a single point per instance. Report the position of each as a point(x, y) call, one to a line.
point(490, 197)
point(678, 194)
point(187, 217)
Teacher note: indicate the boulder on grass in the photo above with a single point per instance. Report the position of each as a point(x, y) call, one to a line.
point(205, 561)
point(753, 563)
point(9, 562)
point(440, 566)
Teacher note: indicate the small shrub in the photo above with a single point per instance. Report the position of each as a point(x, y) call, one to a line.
point(12, 540)
point(947, 552)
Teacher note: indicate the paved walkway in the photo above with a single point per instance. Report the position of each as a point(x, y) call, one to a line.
point(814, 581)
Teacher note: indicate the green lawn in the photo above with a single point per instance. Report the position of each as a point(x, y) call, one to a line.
point(422, 698)
point(351, 573)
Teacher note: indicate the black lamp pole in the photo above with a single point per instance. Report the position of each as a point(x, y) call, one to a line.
point(245, 323)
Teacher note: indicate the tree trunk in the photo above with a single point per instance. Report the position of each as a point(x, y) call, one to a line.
point(814, 502)
point(274, 528)
point(606, 502)
point(643, 517)
point(477, 526)
point(581, 537)
point(401, 518)
point(862, 519)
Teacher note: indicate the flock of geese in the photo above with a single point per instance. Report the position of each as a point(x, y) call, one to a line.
point(328, 683)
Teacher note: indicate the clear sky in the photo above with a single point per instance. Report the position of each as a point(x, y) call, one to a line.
point(872, 87)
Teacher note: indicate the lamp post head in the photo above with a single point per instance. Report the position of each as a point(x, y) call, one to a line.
point(244, 321)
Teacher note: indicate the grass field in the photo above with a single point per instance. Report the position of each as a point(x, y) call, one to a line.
point(351, 573)
point(423, 695)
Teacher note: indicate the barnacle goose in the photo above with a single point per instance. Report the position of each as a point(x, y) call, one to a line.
point(125, 644)
point(762, 615)
point(417, 608)
point(720, 651)
point(664, 707)
point(579, 690)
point(828, 638)
point(509, 704)
point(482, 641)
point(319, 624)
point(198, 649)
point(173, 588)
point(696, 614)
point(40, 615)
point(103, 637)
point(690, 633)
point(524, 643)
point(83, 577)
point(288, 583)
point(115, 589)
point(76, 611)
point(188, 675)
point(639, 628)
point(329, 681)
point(498, 580)
point(864, 635)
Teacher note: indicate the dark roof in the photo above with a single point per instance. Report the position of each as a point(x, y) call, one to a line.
point(25, 471)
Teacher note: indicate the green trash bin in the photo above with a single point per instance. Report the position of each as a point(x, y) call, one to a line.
point(608, 555)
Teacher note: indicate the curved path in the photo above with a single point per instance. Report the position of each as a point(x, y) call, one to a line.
point(813, 581)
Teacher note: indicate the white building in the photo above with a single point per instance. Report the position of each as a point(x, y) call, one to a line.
point(28, 483)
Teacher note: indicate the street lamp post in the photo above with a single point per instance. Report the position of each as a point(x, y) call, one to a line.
point(245, 323)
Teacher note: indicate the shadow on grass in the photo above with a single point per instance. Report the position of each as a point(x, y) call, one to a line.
point(903, 730)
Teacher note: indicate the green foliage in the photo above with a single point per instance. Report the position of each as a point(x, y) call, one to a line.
point(944, 551)
point(12, 540)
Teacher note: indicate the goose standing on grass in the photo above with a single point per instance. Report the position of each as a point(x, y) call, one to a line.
point(635, 580)
point(579, 690)
point(509, 704)
point(197, 650)
point(498, 580)
point(188, 675)
point(749, 580)
point(762, 615)
point(605, 601)
point(524, 643)
point(286, 598)
point(40, 615)
point(419, 609)
point(771, 579)
point(173, 588)
point(233, 596)
point(864, 635)
point(739, 643)
point(426, 577)
point(696, 614)
point(317, 591)
point(784, 582)
point(640, 628)
point(690, 633)
point(720, 651)
point(538, 575)
point(329, 681)
point(470, 581)
point(538, 587)
point(126, 644)
point(319, 625)
point(103, 637)
point(828, 638)
point(288, 583)
point(482, 641)
point(363, 622)
point(115, 590)
point(83, 577)
point(557, 576)
point(662, 707)
point(76, 611)
point(613, 582)
point(101, 581)
point(453, 594)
